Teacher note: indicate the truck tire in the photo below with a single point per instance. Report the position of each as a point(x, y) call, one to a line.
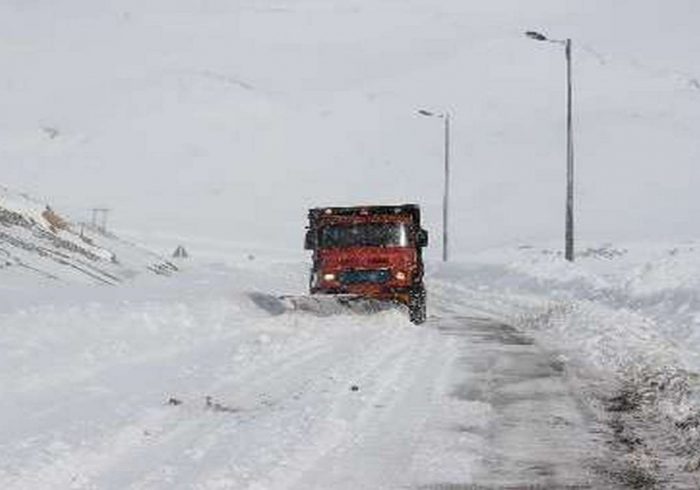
point(416, 306)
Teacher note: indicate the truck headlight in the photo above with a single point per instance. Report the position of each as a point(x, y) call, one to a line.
point(329, 277)
point(400, 275)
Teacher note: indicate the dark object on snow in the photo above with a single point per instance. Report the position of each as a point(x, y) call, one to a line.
point(51, 132)
point(174, 401)
point(536, 36)
point(271, 304)
point(354, 388)
point(180, 252)
point(218, 407)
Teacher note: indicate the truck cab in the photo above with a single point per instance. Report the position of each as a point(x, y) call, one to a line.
point(371, 252)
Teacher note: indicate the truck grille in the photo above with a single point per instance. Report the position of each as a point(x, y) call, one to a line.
point(365, 276)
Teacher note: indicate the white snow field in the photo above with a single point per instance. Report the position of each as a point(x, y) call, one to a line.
point(530, 371)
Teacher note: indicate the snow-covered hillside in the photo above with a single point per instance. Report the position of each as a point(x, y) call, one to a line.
point(39, 246)
point(227, 119)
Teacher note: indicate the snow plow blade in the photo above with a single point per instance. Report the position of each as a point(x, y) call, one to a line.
point(328, 304)
point(322, 304)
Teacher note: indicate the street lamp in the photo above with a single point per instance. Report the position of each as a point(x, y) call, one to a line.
point(445, 116)
point(569, 234)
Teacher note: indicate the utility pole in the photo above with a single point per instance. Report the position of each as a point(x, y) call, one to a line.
point(569, 252)
point(446, 191)
point(569, 225)
point(99, 219)
point(445, 116)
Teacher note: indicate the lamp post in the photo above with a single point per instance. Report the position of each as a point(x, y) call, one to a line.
point(569, 233)
point(445, 116)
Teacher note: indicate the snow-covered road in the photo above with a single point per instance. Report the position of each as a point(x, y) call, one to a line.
point(197, 387)
point(538, 432)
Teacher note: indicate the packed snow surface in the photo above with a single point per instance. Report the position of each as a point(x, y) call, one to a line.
point(189, 384)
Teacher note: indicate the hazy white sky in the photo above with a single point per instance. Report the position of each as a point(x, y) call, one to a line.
point(227, 119)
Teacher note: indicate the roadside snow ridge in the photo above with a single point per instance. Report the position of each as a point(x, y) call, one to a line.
point(37, 243)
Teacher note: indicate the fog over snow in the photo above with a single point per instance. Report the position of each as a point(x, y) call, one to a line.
point(225, 120)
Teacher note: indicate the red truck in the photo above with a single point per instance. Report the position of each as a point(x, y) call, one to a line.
point(369, 252)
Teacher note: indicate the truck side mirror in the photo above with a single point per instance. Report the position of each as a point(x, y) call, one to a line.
point(422, 238)
point(310, 240)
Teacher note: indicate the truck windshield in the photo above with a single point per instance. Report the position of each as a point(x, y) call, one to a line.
point(365, 235)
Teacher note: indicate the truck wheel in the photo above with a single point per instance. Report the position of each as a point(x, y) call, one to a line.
point(416, 306)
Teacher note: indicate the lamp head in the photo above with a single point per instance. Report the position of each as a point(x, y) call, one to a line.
point(536, 36)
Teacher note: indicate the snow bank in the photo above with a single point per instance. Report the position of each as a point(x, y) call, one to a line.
point(627, 314)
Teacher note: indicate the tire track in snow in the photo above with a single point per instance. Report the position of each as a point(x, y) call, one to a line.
point(118, 429)
point(183, 440)
point(387, 425)
point(310, 426)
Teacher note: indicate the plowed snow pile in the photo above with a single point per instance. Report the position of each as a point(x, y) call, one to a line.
point(623, 319)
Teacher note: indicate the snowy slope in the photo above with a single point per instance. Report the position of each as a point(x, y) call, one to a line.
point(38, 246)
point(226, 119)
